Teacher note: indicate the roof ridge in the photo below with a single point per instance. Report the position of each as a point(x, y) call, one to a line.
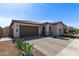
point(29, 21)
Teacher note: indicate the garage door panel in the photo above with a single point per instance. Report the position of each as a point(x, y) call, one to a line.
point(28, 31)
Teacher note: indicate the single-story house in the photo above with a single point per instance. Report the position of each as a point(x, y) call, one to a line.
point(23, 28)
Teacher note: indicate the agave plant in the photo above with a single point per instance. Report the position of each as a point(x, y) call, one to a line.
point(25, 47)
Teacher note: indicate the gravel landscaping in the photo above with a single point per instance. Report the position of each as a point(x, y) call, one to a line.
point(45, 46)
point(7, 48)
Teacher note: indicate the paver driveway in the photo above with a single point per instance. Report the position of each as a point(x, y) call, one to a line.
point(50, 46)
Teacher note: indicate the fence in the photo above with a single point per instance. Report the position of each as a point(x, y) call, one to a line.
point(6, 32)
point(0, 32)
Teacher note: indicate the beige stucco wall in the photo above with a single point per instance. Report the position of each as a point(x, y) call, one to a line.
point(40, 29)
point(16, 26)
point(60, 26)
point(46, 29)
point(54, 30)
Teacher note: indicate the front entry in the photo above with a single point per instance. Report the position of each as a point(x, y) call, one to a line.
point(43, 31)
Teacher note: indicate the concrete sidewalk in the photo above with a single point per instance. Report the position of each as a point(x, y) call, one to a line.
point(5, 39)
point(71, 50)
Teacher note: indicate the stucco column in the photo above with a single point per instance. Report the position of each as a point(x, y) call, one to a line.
point(47, 29)
point(16, 30)
point(40, 30)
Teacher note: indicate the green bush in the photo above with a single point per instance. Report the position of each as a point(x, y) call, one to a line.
point(63, 38)
point(70, 36)
point(19, 42)
point(25, 47)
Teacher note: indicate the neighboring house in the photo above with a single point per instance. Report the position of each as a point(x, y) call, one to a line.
point(23, 28)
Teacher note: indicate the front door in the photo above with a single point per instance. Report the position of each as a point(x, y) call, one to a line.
point(43, 31)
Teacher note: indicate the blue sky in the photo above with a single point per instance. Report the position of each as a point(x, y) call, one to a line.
point(52, 12)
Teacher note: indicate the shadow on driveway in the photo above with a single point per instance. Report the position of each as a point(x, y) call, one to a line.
point(31, 38)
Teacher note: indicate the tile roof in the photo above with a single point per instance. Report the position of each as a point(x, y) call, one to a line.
point(37, 23)
point(27, 21)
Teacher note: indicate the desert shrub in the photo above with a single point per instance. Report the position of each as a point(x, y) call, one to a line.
point(19, 43)
point(25, 47)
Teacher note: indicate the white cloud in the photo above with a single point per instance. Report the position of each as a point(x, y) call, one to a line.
point(4, 21)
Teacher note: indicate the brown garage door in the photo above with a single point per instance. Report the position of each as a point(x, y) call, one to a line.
point(28, 31)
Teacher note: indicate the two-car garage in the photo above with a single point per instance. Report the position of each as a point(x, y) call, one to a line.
point(23, 28)
point(28, 31)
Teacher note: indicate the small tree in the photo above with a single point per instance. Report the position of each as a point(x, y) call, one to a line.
point(74, 30)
